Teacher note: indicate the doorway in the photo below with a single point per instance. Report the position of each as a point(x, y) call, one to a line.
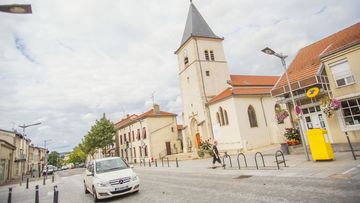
point(168, 148)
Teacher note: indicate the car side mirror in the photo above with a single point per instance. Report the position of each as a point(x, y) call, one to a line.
point(131, 166)
point(89, 173)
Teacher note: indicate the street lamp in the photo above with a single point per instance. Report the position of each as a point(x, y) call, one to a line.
point(269, 51)
point(22, 158)
point(16, 8)
point(46, 166)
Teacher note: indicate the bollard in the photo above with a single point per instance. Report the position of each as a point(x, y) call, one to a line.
point(27, 183)
point(52, 178)
point(37, 194)
point(9, 197)
point(177, 163)
point(149, 163)
point(155, 162)
point(56, 194)
point(44, 181)
point(162, 162)
point(168, 161)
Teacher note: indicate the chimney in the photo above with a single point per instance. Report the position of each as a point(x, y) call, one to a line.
point(156, 109)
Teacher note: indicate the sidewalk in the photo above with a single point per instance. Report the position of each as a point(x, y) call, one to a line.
point(344, 166)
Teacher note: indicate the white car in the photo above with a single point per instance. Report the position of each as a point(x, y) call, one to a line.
point(110, 177)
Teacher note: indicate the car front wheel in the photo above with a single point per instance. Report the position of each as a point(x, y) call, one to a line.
point(85, 189)
point(94, 195)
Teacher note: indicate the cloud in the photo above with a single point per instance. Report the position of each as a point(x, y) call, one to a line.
point(72, 61)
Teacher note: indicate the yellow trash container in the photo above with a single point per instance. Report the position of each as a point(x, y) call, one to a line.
point(320, 144)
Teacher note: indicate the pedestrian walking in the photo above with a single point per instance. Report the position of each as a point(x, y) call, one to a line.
point(216, 156)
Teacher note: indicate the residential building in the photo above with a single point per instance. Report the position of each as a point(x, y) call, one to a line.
point(36, 160)
point(7, 151)
point(341, 61)
point(151, 135)
point(330, 65)
point(214, 102)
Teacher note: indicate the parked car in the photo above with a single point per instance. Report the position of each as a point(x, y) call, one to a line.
point(64, 168)
point(109, 177)
point(49, 169)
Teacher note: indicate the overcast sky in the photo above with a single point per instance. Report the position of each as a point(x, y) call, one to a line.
point(71, 61)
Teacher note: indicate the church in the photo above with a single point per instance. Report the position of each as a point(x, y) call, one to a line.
point(236, 110)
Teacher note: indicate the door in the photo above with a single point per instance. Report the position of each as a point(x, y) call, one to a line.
point(315, 121)
point(168, 148)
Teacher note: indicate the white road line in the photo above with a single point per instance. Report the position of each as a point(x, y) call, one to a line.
point(348, 171)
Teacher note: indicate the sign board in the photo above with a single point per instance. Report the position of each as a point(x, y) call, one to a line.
point(312, 92)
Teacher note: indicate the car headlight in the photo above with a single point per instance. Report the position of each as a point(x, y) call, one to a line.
point(134, 177)
point(103, 184)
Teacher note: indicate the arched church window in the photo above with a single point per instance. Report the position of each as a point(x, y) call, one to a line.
point(221, 115)
point(252, 117)
point(218, 118)
point(206, 55)
point(226, 118)
point(186, 60)
point(212, 56)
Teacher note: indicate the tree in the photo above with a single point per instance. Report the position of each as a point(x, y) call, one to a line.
point(100, 136)
point(53, 158)
point(77, 155)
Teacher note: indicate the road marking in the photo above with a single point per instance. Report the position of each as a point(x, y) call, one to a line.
point(348, 171)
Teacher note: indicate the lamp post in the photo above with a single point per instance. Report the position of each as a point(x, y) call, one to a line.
point(269, 51)
point(46, 166)
point(22, 158)
point(16, 8)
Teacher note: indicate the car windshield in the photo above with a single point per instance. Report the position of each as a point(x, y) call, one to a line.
point(110, 165)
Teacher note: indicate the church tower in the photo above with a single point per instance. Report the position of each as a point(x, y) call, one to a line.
point(203, 73)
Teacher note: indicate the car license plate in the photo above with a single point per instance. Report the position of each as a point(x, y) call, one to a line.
point(121, 188)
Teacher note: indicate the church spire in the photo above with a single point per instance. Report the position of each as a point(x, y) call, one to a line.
point(196, 25)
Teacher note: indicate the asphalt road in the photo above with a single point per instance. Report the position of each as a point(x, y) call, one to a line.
point(177, 186)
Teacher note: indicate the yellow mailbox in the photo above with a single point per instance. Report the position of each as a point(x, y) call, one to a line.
point(320, 144)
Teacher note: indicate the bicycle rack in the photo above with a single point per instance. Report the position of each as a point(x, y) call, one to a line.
point(262, 157)
point(238, 156)
point(277, 154)
point(227, 156)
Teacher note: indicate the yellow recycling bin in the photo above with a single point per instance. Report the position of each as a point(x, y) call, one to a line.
point(320, 144)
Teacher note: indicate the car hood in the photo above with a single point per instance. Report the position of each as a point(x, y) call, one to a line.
point(107, 176)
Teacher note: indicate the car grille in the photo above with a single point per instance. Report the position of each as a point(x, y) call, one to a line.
point(121, 191)
point(120, 181)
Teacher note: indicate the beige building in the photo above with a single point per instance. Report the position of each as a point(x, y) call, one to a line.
point(331, 65)
point(7, 150)
point(342, 62)
point(151, 135)
point(36, 160)
point(214, 105)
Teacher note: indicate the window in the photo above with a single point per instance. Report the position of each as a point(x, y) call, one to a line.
point(186, 60)
point(342, 73)
point(212, 56)
point(129, 137)
point(207, 55)
point(226, 118)
point(121, 141)
point(140, 151)
point(145, 151)
point(252, 117)
point(138, 134)
point(351, 111)
point(125, 138)
point(134, 151)
point(207, 73)
point(144, 133)
point(221, 116)
point(133, 136)
point(172, 129)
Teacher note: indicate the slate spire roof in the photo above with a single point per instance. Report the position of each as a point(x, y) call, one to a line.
point(196, 26)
